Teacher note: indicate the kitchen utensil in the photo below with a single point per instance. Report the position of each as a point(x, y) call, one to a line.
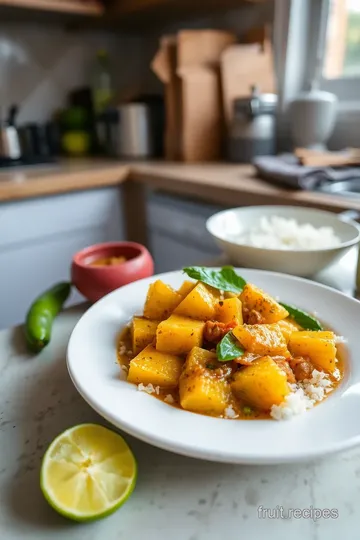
point(318, 158)
point(225, 226)
point(9, 137)
point(94, 282)
point(330, 427)
point(312, 117)
point(252, 131)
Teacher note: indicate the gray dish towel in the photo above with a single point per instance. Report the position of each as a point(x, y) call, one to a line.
point(285, 169)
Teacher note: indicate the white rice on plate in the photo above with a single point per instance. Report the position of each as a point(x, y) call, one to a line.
point(303, 396)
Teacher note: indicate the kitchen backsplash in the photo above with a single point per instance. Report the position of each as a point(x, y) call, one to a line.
point(39, 65)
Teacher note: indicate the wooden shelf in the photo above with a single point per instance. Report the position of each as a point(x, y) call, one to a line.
point(127, 15)
point(12, 8)
point(149, 14)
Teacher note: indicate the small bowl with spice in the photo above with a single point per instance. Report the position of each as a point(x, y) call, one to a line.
point(100, 269)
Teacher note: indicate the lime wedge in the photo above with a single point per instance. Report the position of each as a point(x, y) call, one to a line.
point(88, 472)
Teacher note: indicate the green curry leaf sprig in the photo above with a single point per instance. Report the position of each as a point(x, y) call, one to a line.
point(225, 279)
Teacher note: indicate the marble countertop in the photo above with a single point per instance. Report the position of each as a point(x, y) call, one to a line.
point(176, 497)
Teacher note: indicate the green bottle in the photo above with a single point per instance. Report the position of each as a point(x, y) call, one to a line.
point(103, 91)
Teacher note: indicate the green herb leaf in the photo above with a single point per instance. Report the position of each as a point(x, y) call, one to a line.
point(225, 279)
point(228, 348)
point(306, 321)
point(210, 366)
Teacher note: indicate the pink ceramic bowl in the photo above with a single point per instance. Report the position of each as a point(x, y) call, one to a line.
point(94, 282)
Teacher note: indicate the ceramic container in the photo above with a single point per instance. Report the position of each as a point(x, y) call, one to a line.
point(313, 115)
point(94, 282)
point(224, 226)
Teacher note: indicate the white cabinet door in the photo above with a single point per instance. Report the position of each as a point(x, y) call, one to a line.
point(38, 238)
point(170, 254)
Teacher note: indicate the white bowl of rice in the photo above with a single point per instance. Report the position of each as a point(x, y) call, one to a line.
point(288, 239)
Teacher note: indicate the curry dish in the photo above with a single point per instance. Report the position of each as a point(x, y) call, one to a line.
point(108, 261)
point(237, 354)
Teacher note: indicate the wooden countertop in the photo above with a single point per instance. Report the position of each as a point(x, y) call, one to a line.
point(228, 184)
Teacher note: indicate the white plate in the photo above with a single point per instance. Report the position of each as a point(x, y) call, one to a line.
point(331, 426)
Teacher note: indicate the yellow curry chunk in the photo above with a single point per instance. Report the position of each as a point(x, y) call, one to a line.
point(186, 288)
point(287, 327)
point(260, 306)
point(318, 346)
point(178, 335)
point(153, 367)
point(262, 339)
point(229, 310)
point(203, 384)
point(262, 384)
point(199, 303)
point(161, 301)
point(143, 332)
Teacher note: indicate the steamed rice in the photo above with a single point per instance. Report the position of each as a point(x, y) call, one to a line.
point(303, 396)
point(276, 232)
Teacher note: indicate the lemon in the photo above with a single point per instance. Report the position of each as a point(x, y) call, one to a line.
point(76, 143)
point(88, 472)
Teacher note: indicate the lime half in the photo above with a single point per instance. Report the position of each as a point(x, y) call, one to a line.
point(88, 472)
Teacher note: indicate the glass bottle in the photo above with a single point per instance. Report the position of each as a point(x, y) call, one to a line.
point(103, 91)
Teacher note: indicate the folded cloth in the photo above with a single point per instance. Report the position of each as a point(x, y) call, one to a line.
point(286, 170)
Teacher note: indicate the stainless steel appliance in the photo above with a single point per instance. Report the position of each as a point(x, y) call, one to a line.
point(126, 131)
point(9, 137)
point(252, 132)
point(132, 130)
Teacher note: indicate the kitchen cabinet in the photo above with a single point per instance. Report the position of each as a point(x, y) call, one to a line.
point(177, 234)
point(38, 238)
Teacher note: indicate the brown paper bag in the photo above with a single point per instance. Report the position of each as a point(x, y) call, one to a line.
point(188, 65)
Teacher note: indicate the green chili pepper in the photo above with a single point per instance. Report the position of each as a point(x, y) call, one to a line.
point(40, 317)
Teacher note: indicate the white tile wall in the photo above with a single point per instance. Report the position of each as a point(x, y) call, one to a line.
point(39, 65)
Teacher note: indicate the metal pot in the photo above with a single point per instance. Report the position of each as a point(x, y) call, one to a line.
point(252, 132)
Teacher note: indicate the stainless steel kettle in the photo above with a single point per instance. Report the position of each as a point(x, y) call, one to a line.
point(252, 132)
point(9, 137)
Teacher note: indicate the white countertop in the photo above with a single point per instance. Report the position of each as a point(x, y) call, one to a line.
point(176, 497)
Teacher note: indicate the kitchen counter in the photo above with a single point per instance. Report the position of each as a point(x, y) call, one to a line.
point(176, 497)
point(226, 184)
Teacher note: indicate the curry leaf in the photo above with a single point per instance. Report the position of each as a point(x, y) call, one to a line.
point(306, 321)
point(225, 279)
point(228, 348)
